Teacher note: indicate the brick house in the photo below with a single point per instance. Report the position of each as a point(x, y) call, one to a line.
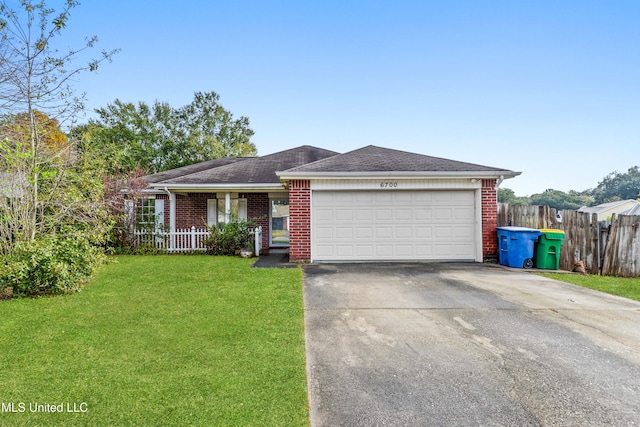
point(370, 204)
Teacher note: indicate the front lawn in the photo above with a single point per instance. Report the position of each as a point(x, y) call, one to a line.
point(621, 286)
point(159, 340)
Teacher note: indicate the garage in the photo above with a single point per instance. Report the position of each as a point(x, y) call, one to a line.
point(379, 204)
point(393, 225)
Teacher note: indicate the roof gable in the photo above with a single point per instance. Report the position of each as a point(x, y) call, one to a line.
point(377, 159)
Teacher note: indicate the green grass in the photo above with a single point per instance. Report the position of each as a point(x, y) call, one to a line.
point(161, 340)
point(280, 236)
point(621, 286)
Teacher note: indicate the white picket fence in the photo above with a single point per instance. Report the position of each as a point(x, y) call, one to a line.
point(185, 240)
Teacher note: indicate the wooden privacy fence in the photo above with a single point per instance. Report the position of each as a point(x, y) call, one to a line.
point(622, 250)
point(185, 240)
point(610, 248)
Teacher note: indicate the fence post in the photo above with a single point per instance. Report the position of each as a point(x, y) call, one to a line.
point(257, 234)
point(193, 237)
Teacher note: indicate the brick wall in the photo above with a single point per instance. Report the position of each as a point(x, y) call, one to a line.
point(300, 220)
point(489, 219)
point(191, 209)
point(258, 212)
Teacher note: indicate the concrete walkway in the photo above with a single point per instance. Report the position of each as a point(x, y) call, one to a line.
point(274, 259)
point(466, 344)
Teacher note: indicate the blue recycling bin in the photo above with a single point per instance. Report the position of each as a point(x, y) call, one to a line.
point(516, 245)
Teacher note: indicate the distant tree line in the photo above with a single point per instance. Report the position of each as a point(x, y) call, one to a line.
point(613, 187)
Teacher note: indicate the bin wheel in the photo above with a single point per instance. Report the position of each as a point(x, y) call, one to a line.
point(528, 263)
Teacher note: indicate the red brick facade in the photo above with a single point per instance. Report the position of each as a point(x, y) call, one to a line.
point(489, 219)
point(191, 210)
point(300, 220)
point(258, 212)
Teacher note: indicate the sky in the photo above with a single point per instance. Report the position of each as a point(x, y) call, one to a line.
point(547, 88)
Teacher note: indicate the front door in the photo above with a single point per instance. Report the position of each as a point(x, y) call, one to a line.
point(279, 222)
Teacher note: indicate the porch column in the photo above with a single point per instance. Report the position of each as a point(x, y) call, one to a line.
point(172, 218)
point(227, 208)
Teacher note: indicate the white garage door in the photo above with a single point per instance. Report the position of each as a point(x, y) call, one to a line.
point(392, 225)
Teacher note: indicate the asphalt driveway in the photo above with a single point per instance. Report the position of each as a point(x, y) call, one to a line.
point(466, 344)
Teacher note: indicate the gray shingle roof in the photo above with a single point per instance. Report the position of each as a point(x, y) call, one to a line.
point(378, 159)
point(188, 170)
point(246, 169)
point(307, 159)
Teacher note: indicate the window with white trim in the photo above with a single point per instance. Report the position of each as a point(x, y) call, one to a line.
point(216, 210)
point(146, 212)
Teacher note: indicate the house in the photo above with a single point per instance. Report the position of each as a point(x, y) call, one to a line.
point(620, 207)
point(370, 204)
point(13, 185)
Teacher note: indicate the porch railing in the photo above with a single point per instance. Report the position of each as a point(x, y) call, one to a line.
point(185, 240)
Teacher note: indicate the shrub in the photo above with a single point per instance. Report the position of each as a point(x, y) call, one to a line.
point(229, 239)
point(49, 266)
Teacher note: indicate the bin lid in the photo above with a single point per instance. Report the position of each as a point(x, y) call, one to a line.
point(520, 229)
point(551, 231)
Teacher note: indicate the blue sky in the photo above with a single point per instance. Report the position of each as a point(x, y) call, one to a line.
point(547, 88)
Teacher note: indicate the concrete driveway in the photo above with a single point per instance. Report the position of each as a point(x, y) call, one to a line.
point(466, 344)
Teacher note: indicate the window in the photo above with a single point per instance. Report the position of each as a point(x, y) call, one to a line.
point(216, 209)
point(146, 212)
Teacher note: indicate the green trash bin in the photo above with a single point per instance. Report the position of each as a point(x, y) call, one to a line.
point(548, 249)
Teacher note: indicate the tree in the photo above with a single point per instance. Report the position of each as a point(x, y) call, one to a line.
point(160, 137)
point(46, 189)
point(68, 190)
point(52, 214)
point(506, 195)
point(618, 186)
point(212, 132)
point(560, 200)
point(53, 142)
point(35, 74)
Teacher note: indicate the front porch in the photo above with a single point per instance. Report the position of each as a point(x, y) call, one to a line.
point(182, 217)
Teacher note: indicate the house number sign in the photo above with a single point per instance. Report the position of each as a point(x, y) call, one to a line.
point(389, 184)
